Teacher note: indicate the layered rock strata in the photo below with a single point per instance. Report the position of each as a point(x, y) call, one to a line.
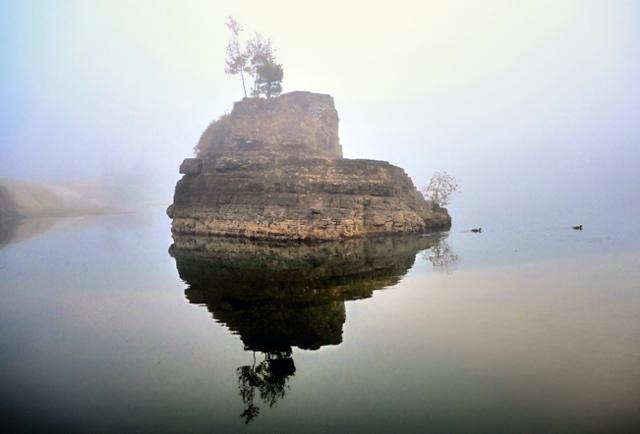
point(273, 170)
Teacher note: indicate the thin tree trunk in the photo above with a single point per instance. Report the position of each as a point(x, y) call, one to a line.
point(243, 87)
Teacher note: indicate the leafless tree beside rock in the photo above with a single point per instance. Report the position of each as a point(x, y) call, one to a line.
point(440, 188)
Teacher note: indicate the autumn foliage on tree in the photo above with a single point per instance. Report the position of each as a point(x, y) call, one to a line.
point(256, 59)
point(237, 60)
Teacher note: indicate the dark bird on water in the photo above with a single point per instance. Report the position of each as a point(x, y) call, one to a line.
point(578, 228)
point(478, 230)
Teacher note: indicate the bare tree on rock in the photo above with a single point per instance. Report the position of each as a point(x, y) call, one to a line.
point(440, 188)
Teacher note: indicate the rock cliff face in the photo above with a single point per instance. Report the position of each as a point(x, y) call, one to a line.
point(296, 124)
point(273, 169)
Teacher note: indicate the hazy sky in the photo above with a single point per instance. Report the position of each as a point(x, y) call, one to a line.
point(534, 100)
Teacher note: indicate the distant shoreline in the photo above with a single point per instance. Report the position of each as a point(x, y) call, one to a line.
point(25, 199)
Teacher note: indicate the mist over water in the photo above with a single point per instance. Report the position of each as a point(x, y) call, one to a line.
point(513, 329)
point(532, 104)
point(109, 324)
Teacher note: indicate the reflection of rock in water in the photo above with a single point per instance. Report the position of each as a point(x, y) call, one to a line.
point(14, 230)
point(277, 297)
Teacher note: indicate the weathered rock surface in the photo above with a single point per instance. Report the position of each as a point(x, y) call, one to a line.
point(273, 169)
point(301, 124)
point(191, 166)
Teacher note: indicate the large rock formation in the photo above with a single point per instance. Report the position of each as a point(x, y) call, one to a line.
point(273, 169)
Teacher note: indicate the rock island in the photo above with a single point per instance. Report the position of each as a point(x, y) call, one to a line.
point(272, 169)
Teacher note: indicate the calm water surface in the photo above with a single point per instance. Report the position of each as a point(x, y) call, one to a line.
point(523, 328)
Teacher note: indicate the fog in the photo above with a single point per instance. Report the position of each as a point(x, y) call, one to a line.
point(533, 106)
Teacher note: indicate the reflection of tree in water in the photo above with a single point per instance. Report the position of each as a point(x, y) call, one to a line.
point(277, 297)
point(269, 377)
point(441, 256)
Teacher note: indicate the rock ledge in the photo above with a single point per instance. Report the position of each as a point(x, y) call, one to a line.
point(273, 170)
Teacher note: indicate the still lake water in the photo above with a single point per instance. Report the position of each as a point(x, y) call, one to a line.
point(523, 328)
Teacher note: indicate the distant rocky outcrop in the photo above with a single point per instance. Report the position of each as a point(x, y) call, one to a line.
point(273, 169)
point(20, 199)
